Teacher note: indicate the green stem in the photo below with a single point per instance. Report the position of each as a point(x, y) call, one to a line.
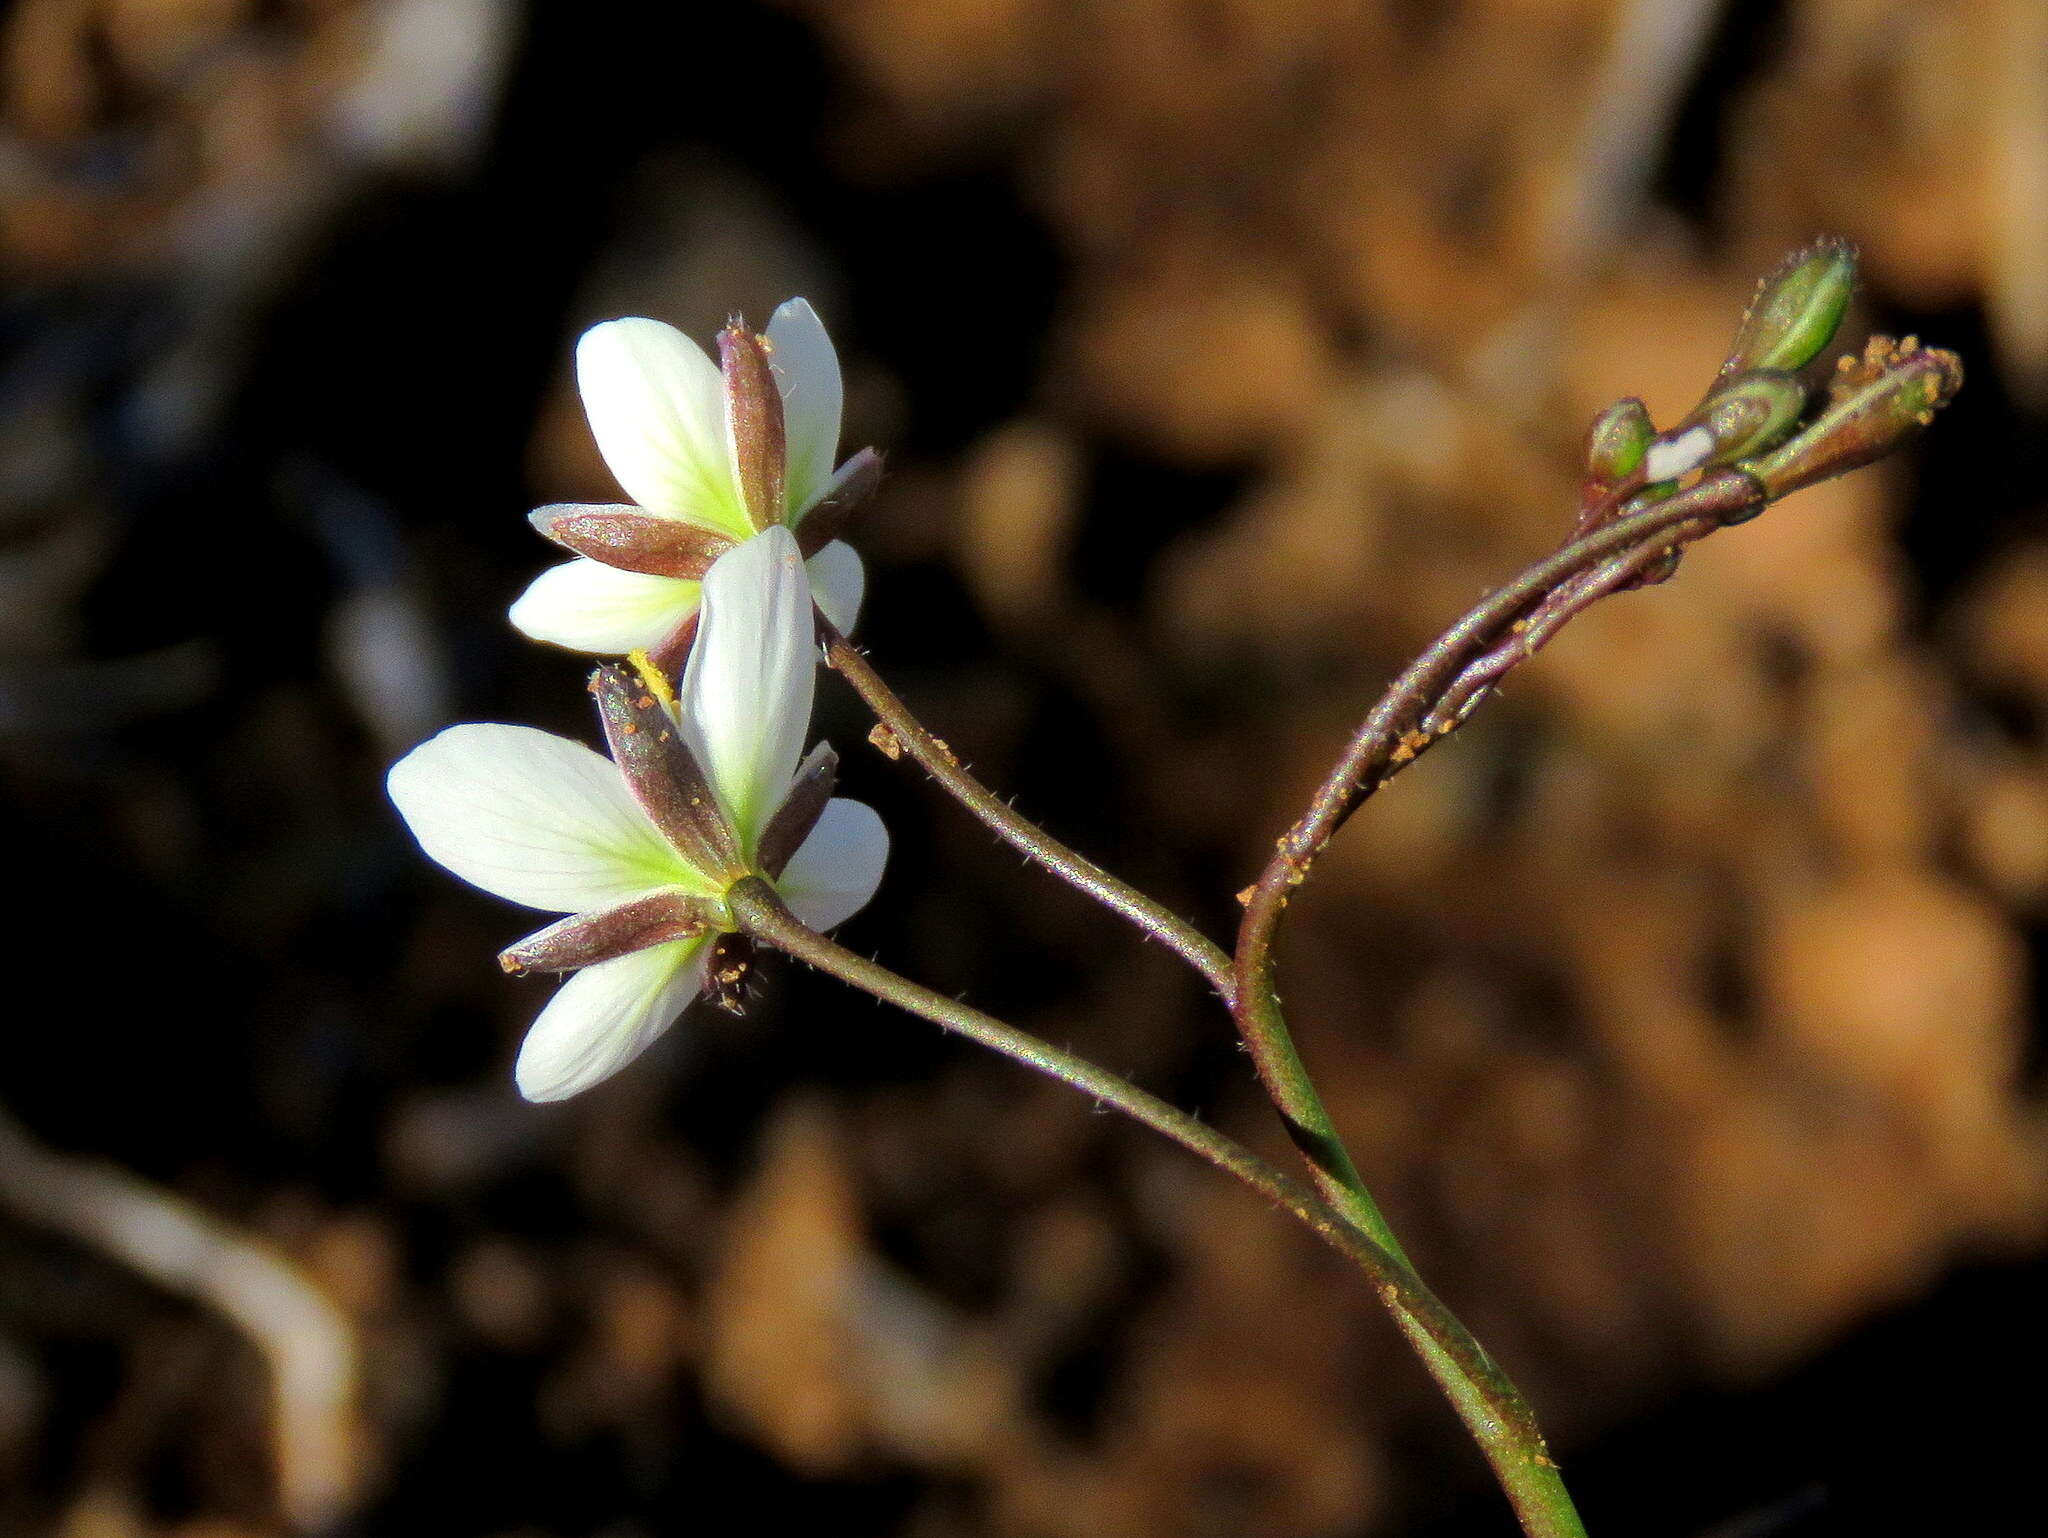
point(1020, 833)
point(1488, 1403)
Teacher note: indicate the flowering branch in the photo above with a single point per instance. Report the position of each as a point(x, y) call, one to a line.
point(1486, 1400)
point(907, 734)
point(1746, 444)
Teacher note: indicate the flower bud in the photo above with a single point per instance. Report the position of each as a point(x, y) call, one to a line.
point(1880, 401)
point(1796, 310)
point(1751, 413)
point(1740, 417)
point(1619, 437)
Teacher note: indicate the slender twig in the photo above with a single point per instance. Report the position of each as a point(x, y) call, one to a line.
point(1379, 749)
point(909, 734)
point(1390, 738)
point(1489, 1404)
point(1530, 635)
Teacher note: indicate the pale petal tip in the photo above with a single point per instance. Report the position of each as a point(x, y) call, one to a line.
point(539, 1084)
point(794, 310)
point(544, 1080)
point(626, 329)
point(604, 1017)
point(586, 606)
point(421, 773)
point(838, 583)
point(836, 872)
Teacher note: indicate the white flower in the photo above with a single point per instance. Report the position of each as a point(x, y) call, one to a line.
point(641, 848)
point(683, 435)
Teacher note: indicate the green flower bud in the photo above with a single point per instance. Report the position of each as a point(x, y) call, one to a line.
point(1796, 309)
point(1619, 438)
point(1880, 400)
point(1751, 413)
point(1740, 417)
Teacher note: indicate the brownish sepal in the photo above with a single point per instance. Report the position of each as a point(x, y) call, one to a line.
point(631, 539)
point(727, 967)
point(753, 410)
point(672, 654)
point(584, 939)
point(815, 781)
point(664, 775)
point(858, 479)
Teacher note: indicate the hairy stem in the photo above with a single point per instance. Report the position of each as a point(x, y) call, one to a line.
point(1488, 1403)
point(1383, 745)
point(1019, 832)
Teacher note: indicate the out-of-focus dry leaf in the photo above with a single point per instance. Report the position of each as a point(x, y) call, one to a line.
point(2007, 831)
point(1019, 497)
point(820, 1349)
point(1898, 988)
point(1208, 356)
point(2005, 624)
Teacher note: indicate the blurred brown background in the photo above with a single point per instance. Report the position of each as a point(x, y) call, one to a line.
point(1681, 1012)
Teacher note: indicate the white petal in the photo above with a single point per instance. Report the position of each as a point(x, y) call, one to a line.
point(604, 1017)
point(656, 404)
point(746, 695)
point(838, 583)
point(807, 370)
point(836, 870)
point(588, 606)
point(530, 816)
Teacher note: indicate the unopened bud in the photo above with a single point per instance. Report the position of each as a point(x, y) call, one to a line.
point(1750, 414)
point(1883, 399)
point(1740, 417)
point(1796, 310)
point(1619, 437)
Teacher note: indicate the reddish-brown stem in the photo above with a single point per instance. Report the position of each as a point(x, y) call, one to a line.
point(1389, 738)
point(907, 734)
